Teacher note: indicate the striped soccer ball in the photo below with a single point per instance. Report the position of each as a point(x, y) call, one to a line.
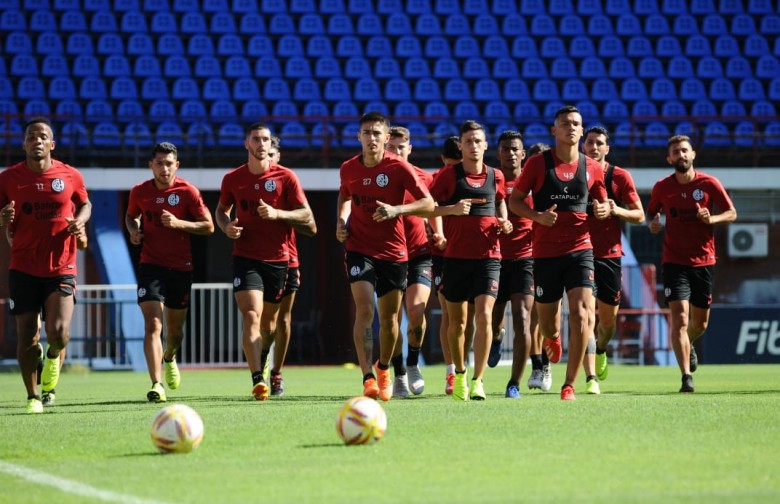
point(177, 429)
point(361, 421)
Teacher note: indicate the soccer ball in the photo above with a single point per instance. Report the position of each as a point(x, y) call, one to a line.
point(361, 421)
point(177, 429)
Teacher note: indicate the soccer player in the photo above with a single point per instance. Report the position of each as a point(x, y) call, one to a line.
point(471, 198)
point(280, 339)
point(268, 200)
point(53, 210)
point(162, 213)
point(561, 180)
point(624, 205)
point(516, 278)
point(374, 187)
point(690, 200)
point(418, 279)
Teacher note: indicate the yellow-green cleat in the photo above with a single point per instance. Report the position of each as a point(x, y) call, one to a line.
point(592, 387)
point(34, 406)
point(156, 394)
point(172, 376)
point(477, 390)
point(602, 369)
point(51, 373)
point(460, 389)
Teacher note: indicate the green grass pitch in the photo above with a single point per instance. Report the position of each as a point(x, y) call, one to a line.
point(640, 441)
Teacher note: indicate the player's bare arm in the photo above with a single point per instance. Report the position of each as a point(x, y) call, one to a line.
point(201, 226)
point(634, 213)
point(421, 208)
point(230, 227)
point(343, 210)
point(133, 225)
point(704, 215)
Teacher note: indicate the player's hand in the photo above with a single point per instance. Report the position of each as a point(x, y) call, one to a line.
point(462, 207)
point(655, 225)
point(548, 217)
point(7, 214)
point(504, 226)
point(341, 231)
point(601, 210)
point(233, 230)
point(266, 211)
point(703, 214)
point(439, 241)
point(169, 220)
point(385, 212)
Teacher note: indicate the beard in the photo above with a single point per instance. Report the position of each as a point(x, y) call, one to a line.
point(682, 165)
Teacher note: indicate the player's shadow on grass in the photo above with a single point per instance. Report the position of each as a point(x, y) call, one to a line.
point(323, 445)
point(141, 454)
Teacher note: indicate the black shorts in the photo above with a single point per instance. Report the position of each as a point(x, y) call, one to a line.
point(385, 276)
point(469, 278)
point(171, 287)
point(293, 281)
point(268, 277)
point(517, 277)
point(419, 271)
point(688, 283)
point(553, 275)
point(609, 283)
point(28, 293)
point(438, 271)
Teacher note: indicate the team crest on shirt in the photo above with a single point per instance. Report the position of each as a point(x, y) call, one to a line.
point(173, 199)
point(382, 180)
point(354, 271)
point(141, 292)
point(11, 304)
point(698, 195)
point(270, 185)
point(236, 281)
point(58, 185)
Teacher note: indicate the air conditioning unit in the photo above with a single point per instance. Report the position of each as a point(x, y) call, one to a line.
point(748, 240)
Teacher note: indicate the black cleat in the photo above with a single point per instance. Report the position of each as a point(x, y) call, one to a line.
point(687, 383)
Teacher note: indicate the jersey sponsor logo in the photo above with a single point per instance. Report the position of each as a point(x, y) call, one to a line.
point(58, 185)
point(382, 180)
point(270, 185)
point(173, 199)
point(539, 291)
point(764, 334)
point(354, 271)
point(698, 194)
point(141, 292)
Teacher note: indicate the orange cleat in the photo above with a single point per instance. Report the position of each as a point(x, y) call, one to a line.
point(450, 381)
point(554, 349)
point(371, 389)
point(567, 393)
point(385, 383)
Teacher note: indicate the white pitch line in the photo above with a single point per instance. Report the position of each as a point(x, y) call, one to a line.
point(69, 486)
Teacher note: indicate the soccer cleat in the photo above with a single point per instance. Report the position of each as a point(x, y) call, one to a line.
point(687, 383)
point(460, 387)
point(156, 394)
point(172, 376)
point(34, 405)
point(512, 392)
point(546, 378)
point(554, 349)
point(693, 360)
point(371, 389)
point(47, 399)
point(495, 349)
point(260, 391)
point(477, 390)
point(416, 382)
point(592, 387)
point(567, 393)
point(51, 373)
point(602, 370)
point(384, 382)
point(401, 387)
point(277, 385)
point(449, 383)
point(535, 380)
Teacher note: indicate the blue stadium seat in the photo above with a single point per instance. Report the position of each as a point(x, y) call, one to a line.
point(86, 65)
point(398, 24)
point(733, 108)
point(552, 47)
point(223, 22)
point(610, 46)
point(716, 134)
point(767, 67)
point(324, 135)
point(742, 24)
point(48, 43)
point(651, 68)
point(12, 20)
point(311, 24)
point(336, 89)
point(668, 47)
point(563, 68)
point(147, 66)
point(730, 6)
point(53, 65)
point(537, 133)
point(297, 67)
point(348, 47)
point(284, 110)
point(709, 68)
point(345, 110)
point(327, 67)
point(495, 47)
point(441, 131)
point(427, 25)
point(366, 89)
point(618, 7)
point(756, 46)
point(436, 111)
point(513, 25)
point(446, 68)
point(505, 68)
point(534, 68)
point(466, 110)
point(69, 109)
point(37, 108)
point(673, 109)
point(177, 66)
point(475, 7)
point(639, 47)
point(123, 88)
point(516, 90)
point(485, 25)
point(526, 112)
point(208, 66)
point(319, 46)
point(604, 90)
point(770, 25)
point(230, 44)
point(600, 25)
point(685, 25)
point(524, 47)
point(290, 45)
point(303, 6)
point(656, 24)
point(261, 46)
point(427, 90)
point(73, 133)
point(643, 109)
point(389, 6)
point(59, 5)
point(475, 68)
point(169, 132)
point(245, 89)
point(200, 44)
point(759, 6)
point(24, 64)
point(276, 89)
point(193, 22)
point(254, 110)
point(745, 134)
point(62, 88)
point(420, 134)
point(656, 134)
point(92, 88)
point(370, 25)
point(722, 89)
point(589, 110)
point(763, 109)
point(355, 68)
point(252, 24)
point(349, 135)
point(697, 46)
point(140, 44)
point(185, 88)
point(237, 67)
point(106, 134)
point(111, 44)
point(315, 111)
point(73, 21)
point(686, 128)
point(466, 46)
point(621, 68)
point(408, 46)
point(628, 24)
point(727, 46)
point(41, 21)
point(692, 89)
point(457, 90)
point(750, 90)
point(592, 67)
point(703, 108)
point(406, 109)
point(98, 110)
point(161, 110)
point(662, 90)
point(282, 24)
point(545, 90)
point(645, 7)
point(397, 89)
point(446, 6)
point(129, 111)
point(713, 24)
point(387, 68)
point(674, 7)
point(575, 90)
point(633, 90)
point(588, 7)
point(133, 22)
point(222, 111)
point(127, 5)
point(78, 43)
point(486, 89)
point(340, 24)
point(379, 46)
point(192, 110)
point(354, 7)
point(623, 135)
point(30, 88)
point(271, 6)
point(156, 5)
point(772, 134)
point(457, 23)
point(170, 44)
point(420, 7)
point(571, 24)
point(543, 25)
point(680, 67)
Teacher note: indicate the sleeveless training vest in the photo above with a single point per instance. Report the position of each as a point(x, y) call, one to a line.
point(571, 196)
point(487, 192)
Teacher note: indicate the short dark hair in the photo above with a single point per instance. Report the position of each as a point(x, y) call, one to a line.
point(374, 117)
point(566, 109)
point(450, 149)
point(165, 148)
point(275, 142)
point(537, 148)
point(675, 139)
point(599, 130)
point(400, 132)
point(256, 126)
point(510, 135)
point(37, 120)
point(470, 125)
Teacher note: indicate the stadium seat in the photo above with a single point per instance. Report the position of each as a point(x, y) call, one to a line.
point(575, 90)
point(673, 109)
point(52, 66)
point(398, 24)
point(103, 22)
point(516, 90)
point(762, 108)
point(545, 90)
point(397, 89)
point(92, 88)
point(40, 21)
point(686, 128)
point(633, 89)
point(24, 64)
point(759, 6)
point(621, 68)
point(662, 90)
point(73, 133)
point(610, 46)
point(324, 135)
point(485, 25)
point(475, 68)
point(161, 110)
point(223, 22)
point(543, 25)
point(378, 47)
point(126, 5)
point(685, 25)
point(260, 46)
point(61, 88)
point(106, 134)
point(618, 7)
point(237, 67)
point(628, 24)
point(30, 87)
point(427, 25)
point(355, 68)
point(98, 110)
point(623, 135)
point(37, 108)
point(527, 112)
point(486, 89)
point(436, 111)
point(140, 44)
point(495, 47)
point(251, 24)
point(770, 25)
point(169, 131)
point(246, 89)
point(750, 90)
point(303, 6)
point(73, 21)
point(713, 24)
point(387, 68)
point(297, 67)
point(193, 22)
point(427, 90)
point(49, 43)
point(282, 24)
point(133, 22)
point(437, 47)
point(311, 24)
point(524, 47)
point(644, 109)
point(756, 46)
point(348, 47)
point(592, 68)
point(668, 47)
point(446, 68)
point(276, 89)
point(441, 131)
point(697, 46)
point(571, 24)
point(408, 46)
point(78, 43)
point(534, 68)
point(674, 7)
point(600, 25)
point(604, 90)
point(319, 46)
point(767, 67)
point(466, 110)
point(270, 6)
point(708, 68)
point(315, 111)
point(703, 108)
point(170, 44)
point(656, 134)
point(745, 134)
point(651, 68)
point(346, 110)
point(563, 68)
point(419, 7)
point(123, 88)
point(254, 110)
point(185, 88)
point(680, 67)
point(284, 110)
point(366, 89)
point(192, 110)
point(639, 47)
point(129, 111)
point(289, 46)
point(692, 89)
point(588, 7)
point(732, 108)
point(406, 109)
point(349, 135)
point(327, 67)
point(208, 66)
point(336, 89)
point(222, 111)
point(457, 90)
point(742, 24)
point(164, 22)
point(615, 110)
point(370, 25)
point(727, 46)
point(466, 46)
point(716, 134)
point(537, 133)
point(656, 24)
point(457, 23)
point(111, 44)
point(505, 68)
point(722, 89)
point(552, 47)
point(772, 134)
point(200, 44)
point(340, 24)
point(551, 108)
point(513, 25)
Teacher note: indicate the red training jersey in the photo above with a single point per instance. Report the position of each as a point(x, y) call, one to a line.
point(606, 234)
point(517, 244)
point(469, 236)
point(388, 182)
point(292, 248)
point(162, 246)
point(42, 245)
point(279, 187)
point(688, 240)
point(570, 231)
point(417, 243)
